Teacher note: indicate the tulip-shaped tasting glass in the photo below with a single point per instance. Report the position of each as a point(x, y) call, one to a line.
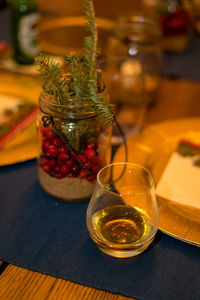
point(122, 216)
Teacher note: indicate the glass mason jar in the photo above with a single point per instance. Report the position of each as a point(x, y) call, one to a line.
point(136, 41)
point(74, 145)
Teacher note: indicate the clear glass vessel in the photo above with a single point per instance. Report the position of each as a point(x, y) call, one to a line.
point(122, 215)
point(131, 70)
point(136, 43)
point(73, 146)
point(125, 85)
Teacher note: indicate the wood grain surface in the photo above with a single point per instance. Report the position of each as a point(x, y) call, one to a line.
point(19, 283)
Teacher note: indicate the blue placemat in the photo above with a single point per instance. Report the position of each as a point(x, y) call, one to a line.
point(42, 234)
point(184, 65)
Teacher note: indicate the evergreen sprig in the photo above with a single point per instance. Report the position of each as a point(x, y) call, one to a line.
point(82, 81)
point(54, 83)
point(77, 77)
point(102, 109)
point(90, 44)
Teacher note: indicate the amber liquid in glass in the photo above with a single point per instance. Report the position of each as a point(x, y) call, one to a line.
point(122, 230)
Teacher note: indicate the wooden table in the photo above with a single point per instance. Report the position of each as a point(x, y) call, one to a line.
point(177, 99)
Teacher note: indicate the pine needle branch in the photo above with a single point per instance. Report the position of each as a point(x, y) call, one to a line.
point(103, 109)
point(54, 83)
point(77, 76)
point(90, 45)
point(83, 80)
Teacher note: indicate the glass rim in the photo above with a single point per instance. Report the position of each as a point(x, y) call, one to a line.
point(139, 20)
point(128, 164)
point(44, 98)
point(74, 108)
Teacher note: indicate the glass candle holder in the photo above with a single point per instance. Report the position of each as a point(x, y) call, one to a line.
point(125, 83)
point(136, 42)
point(122, 216)
point(131, 70)
point(73, 146)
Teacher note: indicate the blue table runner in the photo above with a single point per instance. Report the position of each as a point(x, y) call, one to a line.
point(42, 234)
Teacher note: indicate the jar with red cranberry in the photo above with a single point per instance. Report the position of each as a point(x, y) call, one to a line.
point(74, 145)
point(174, 24)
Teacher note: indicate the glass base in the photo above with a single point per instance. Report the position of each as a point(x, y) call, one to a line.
point(123, 254)
point(119, 251)
point(126, 253)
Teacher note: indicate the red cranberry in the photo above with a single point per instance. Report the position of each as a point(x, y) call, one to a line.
point(90, 178)
point(60, 162)
point(82, 174)
point(57, 141)
point(46, 168)
point(82, 158)
point(56, 169)
point(44, 130)
point(51, 162)
point(43, 161)
point(46, 144)
point(69, 162)
point(73, 154)
point(50, 135)
point(88, 164)
point(90, 153)
point(52, 173)
point(90, 145)
point(63, 156)
point(75, 169)
point(52, 151)
point(95, 169)
point(63, 148)
point(64, 169)
point(71, 175)
point(59, 175)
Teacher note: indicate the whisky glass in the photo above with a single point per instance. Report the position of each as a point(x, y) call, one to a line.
point(122, 215)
